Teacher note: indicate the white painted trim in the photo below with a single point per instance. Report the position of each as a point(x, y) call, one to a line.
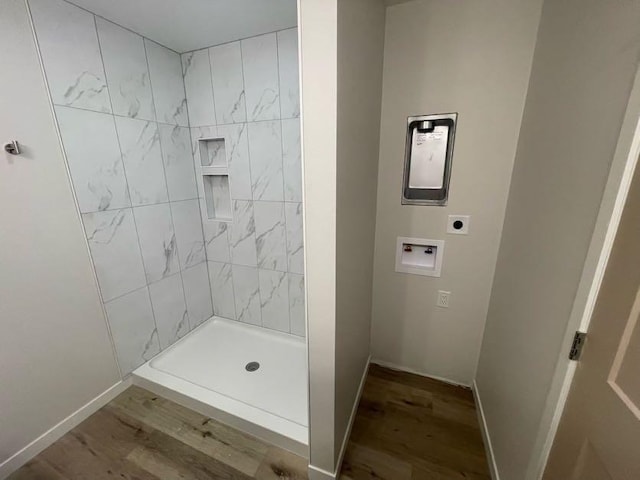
point(611, 208)
point(488, 447)
point(401, 368)
point(21, 457)
point(316, 473)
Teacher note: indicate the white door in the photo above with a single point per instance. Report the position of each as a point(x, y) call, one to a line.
point(599, 434)
point(55, 352)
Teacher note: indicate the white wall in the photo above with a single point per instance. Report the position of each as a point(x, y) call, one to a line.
point(55, 353)
point(360, 50)
point(473, 58)
point(584, 65)
point(341, 53)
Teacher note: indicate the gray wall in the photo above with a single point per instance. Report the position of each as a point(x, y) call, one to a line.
point(474, 58)
point(584, 65)
point(360, 51)
point(342, 47)
point(318, 45)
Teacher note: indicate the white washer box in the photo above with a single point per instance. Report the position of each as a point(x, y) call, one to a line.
point(419, 256)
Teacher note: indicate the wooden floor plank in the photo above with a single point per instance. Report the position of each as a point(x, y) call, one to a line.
point(426, 424)
point(38, 469)
point(243, 452)
point(280, 464)
point(407, 428)
point(363, 463)
point(76, 458)
point(151, 450)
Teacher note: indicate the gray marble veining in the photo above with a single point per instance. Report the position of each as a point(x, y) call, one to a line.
point(125, 63)
point(260, 66)
point(170, 310)
point(91, 146)
point(246, 289)
point(270, 235)
point(237, 151)
point(197, 294)
point(217, 241)
point(296, 304)
point(157, 241)
point(221, 278)
point(295, 243)
point(198, 133)
point(188, 228)
point(140, 147)
point(114, 247)
point(178, 162)
point(242, 235)
point(165, 69)
point(228, 83)
point(133, 329)
point(265, 152)
point(292, 160)
point(289, 72)
point(274, 299)
point(196, 71)
point(71, 55)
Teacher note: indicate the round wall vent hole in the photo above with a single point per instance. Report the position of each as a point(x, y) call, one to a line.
point(252, 366)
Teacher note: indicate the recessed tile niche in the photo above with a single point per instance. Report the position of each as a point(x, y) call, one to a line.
point(215, 179)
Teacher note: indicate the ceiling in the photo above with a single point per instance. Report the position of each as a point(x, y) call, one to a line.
point(186, 25)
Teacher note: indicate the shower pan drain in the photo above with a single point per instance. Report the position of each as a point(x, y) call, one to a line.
point(252, 366)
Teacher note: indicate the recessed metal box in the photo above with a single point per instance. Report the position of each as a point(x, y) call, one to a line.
point(428, 155)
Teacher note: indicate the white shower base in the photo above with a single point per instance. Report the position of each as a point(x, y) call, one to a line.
point(205, 371)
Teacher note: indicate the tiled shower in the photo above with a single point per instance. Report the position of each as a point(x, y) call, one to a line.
point(255, 260)
point(131, 114)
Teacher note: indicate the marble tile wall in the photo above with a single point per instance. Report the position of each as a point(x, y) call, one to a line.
point(121, 108)
point(247, 93)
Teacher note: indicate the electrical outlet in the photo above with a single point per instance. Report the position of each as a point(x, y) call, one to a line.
point(443, 298)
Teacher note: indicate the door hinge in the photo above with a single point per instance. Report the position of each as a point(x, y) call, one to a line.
point(576, 346)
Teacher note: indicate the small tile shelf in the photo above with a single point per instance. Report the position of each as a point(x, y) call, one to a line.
point(212, 152)
point(214, 175)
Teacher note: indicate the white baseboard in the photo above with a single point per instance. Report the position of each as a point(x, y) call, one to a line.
point(491, 459)
point(21, 457)
point(402, 368)
point(316, 473)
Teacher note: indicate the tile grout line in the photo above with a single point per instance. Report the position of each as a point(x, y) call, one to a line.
point(71, 183)
point(240, 39)
point(246, 116)
point(163, 155)
point(117, 24)
point(124, 172)
point(135, 225)
point(198, 179)
point(73, 107)
point(199, 203)
point(284, 212)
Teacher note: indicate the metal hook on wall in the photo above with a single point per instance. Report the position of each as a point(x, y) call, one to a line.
point(12, 147)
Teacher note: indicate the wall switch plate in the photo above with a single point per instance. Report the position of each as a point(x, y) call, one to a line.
point(443, 298)
point(458, 224)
